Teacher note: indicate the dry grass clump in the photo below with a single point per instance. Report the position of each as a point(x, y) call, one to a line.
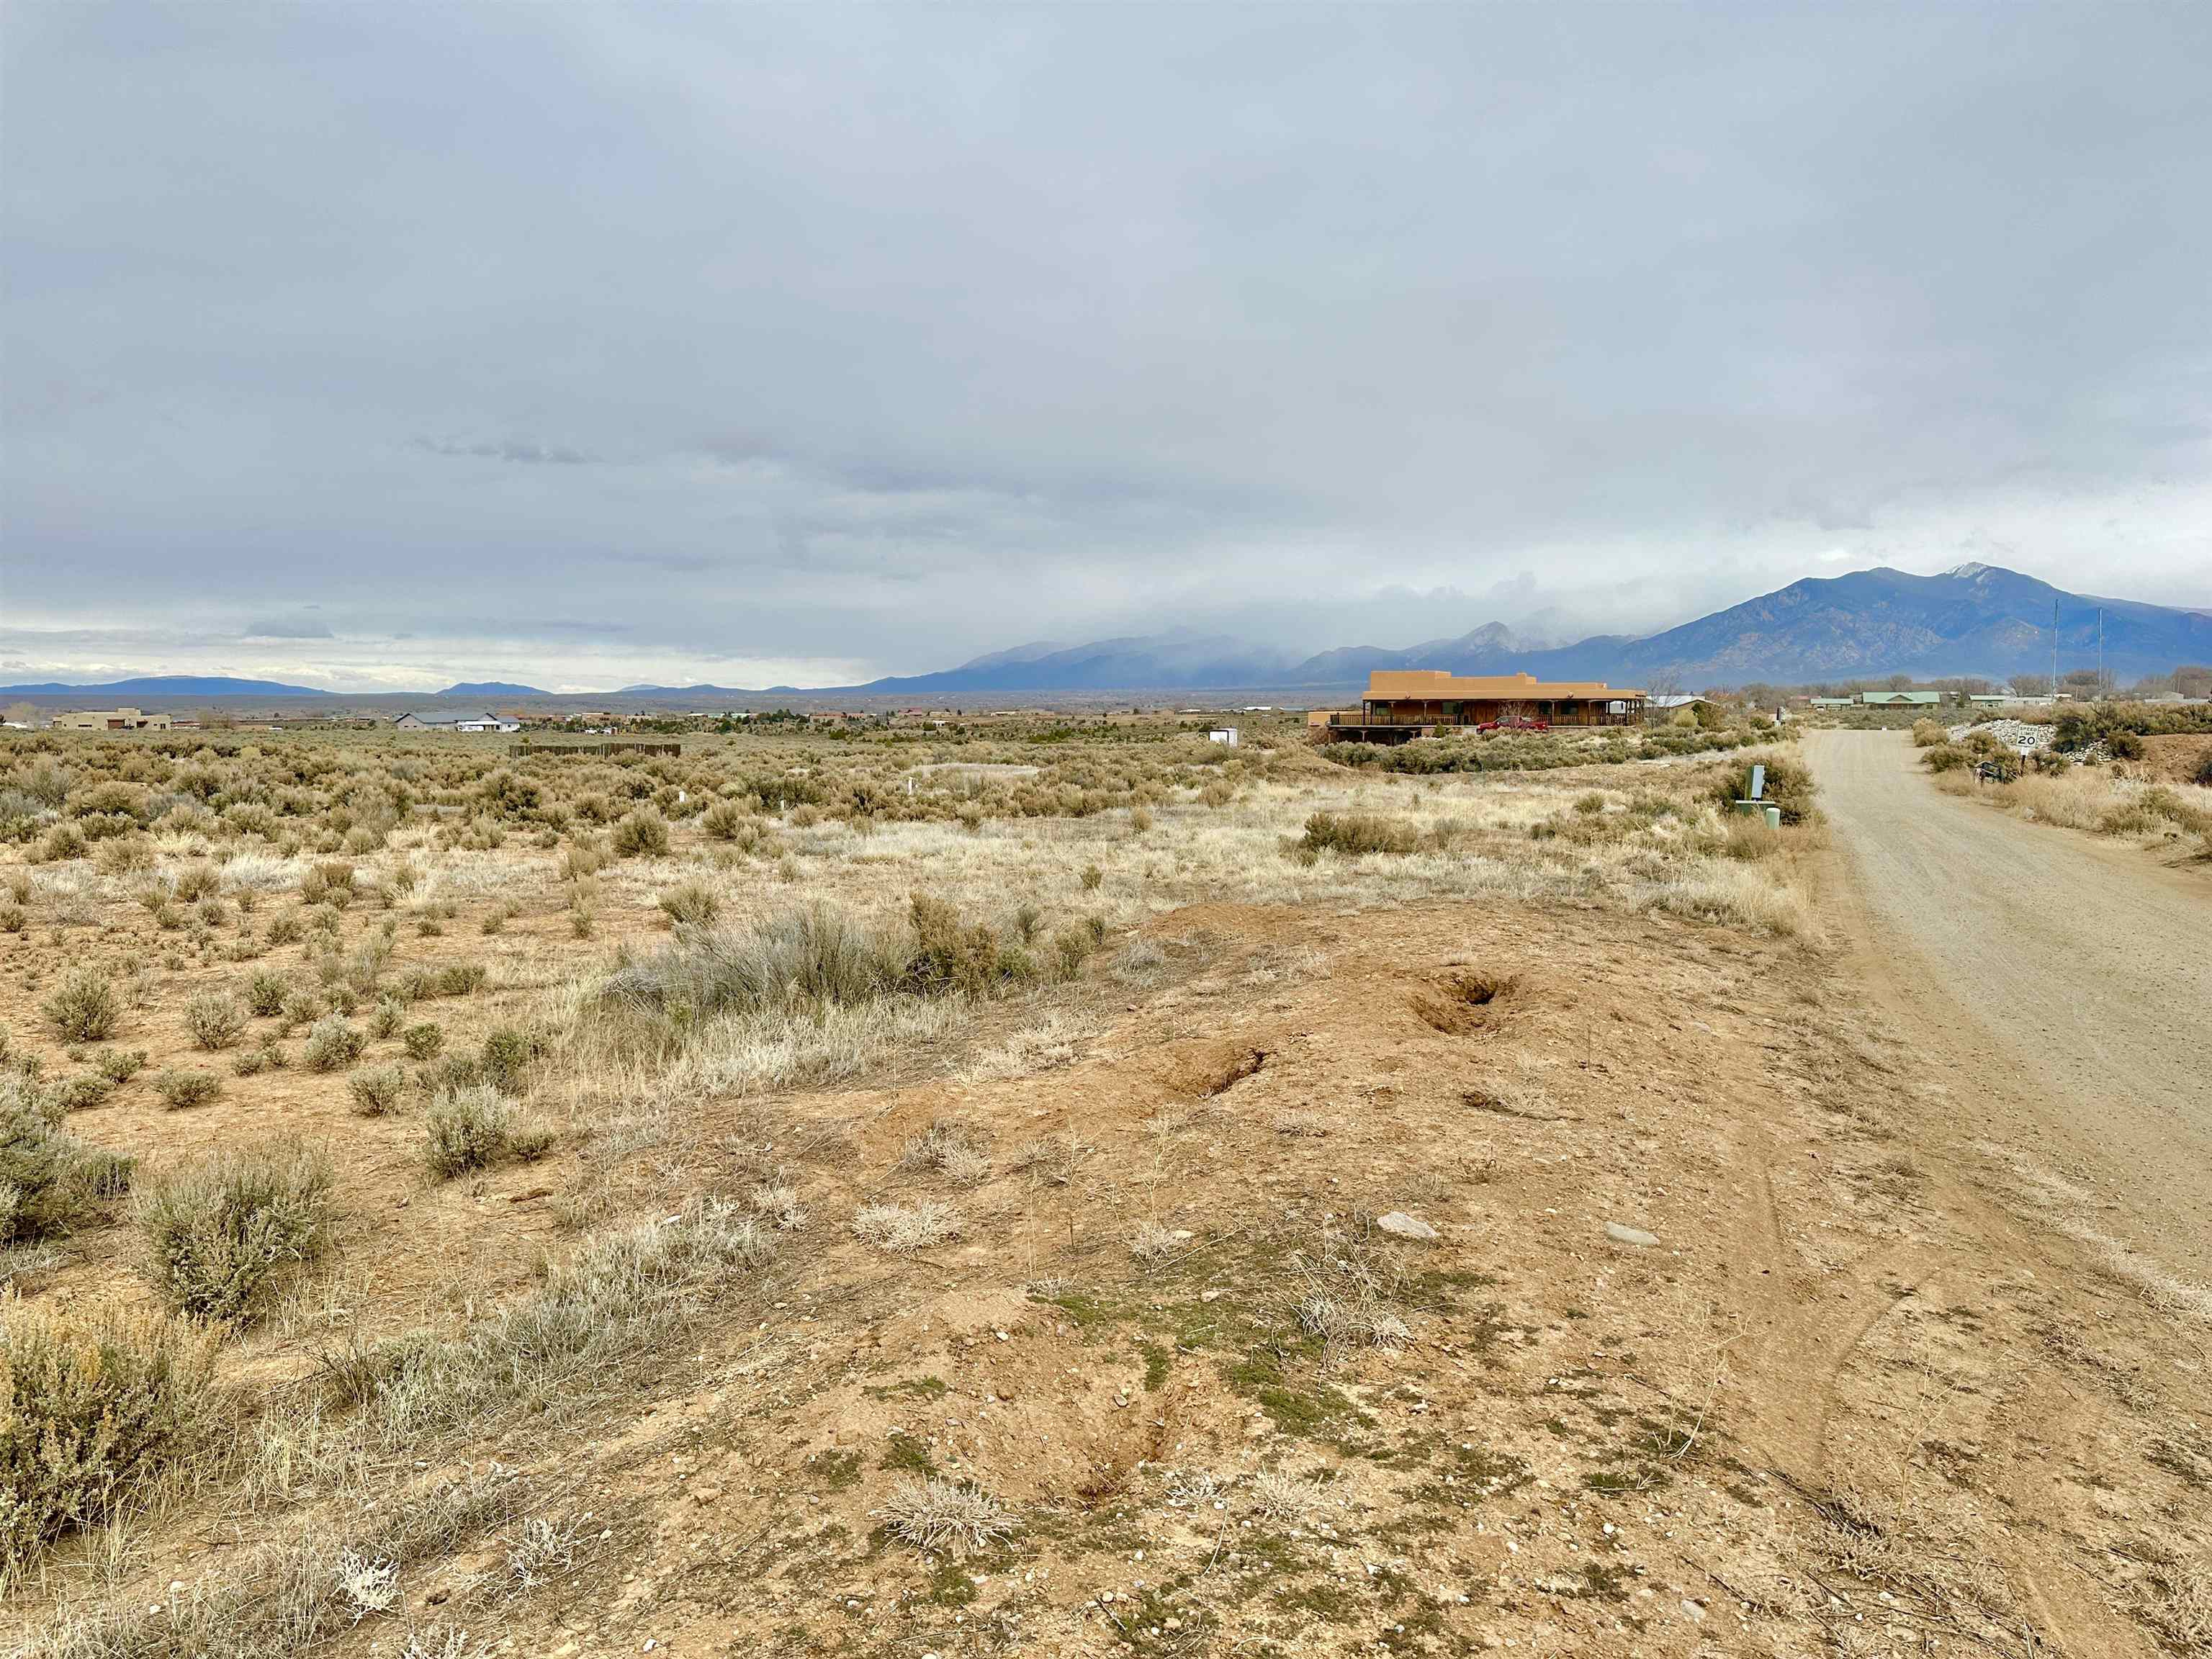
point(84, 1008)
point(2174, 1597)
point(477, 1127)
point(902, 1228)
point(216, 1233)
point(937, 1514)
point(1054, 1043)
point(422, 1040)
point(1352, 1318)
point(1736, 894)
point(950, 1150)
point(620, 1290)
point(301, 1593)
point(1281, 1497)
point(816, 955)
point(92, 1409)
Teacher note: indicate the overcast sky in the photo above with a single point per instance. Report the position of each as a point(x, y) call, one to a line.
point(383, 343)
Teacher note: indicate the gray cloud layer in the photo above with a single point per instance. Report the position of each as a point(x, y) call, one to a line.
point(804, 342)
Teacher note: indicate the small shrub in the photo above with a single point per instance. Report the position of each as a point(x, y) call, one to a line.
point(460, 979)
point(725, 820)
point(507, 1055)
point(84, 1008)
point(119, 1066)
point(950, 955)
point(83, 1092)
point(694, 904)
point(332, 1044)
point(215, 1234)
point(215, 1021)
point(249, 1062)
point(50, 1180)
point(196, 882)
point(285, 930)
point(641, 834)
point(265, 993)
point(423, 1042)
point(180, 1089)
point(391, 1014)
point(303, 1008)
point(1351, 834)
point(330, 883)
point(477, 1127)
point(1926, 734)
point(376, 1089)
point(91, 1409)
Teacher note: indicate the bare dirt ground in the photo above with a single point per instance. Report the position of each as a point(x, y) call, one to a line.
point(1776, 1304)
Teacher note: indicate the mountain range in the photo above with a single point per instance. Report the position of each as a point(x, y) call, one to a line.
point(1978, 619)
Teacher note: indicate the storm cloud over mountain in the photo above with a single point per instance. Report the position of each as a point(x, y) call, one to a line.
point(589, 345)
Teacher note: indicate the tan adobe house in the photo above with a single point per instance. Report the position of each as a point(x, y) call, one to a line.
point(1402, 704)
point(112, 719)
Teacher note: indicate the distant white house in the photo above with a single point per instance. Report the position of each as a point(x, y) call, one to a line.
point(1684, 700)
point(448, 720)
point(1223, 734)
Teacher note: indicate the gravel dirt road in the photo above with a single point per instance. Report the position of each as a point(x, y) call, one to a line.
point(2058, 986)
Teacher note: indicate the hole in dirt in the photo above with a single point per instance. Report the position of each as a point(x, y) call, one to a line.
point(1455, 1003)
point(1246, 1065)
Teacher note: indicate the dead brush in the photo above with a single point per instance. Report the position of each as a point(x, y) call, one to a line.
point(777, 1201)
point(947, 1149)
point(901, 1230)
point(1345, 1302)
point(1285, 1500)
point(1154, 1242)
point(937, 1514)
point(2173, 1596)
point(1053, 1159)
